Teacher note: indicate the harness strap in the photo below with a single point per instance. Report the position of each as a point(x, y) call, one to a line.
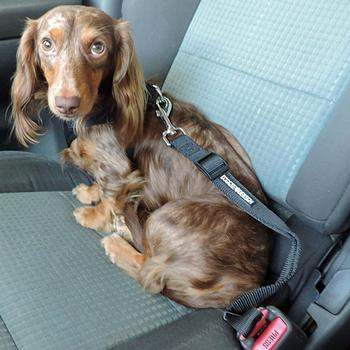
point(217, 171)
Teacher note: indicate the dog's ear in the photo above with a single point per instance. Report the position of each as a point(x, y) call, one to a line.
point(128, 84)
point(24, 86)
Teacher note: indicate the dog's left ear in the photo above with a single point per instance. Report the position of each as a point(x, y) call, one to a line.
point(128, 84)
point(24, 86)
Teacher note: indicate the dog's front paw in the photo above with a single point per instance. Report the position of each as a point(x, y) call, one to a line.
point(93, 217)
point(82, 216)
point(89, 218)
point(87, 194)
point(110, 244)
point(82, 193)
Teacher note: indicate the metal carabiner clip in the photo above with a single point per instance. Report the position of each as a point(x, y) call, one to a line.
point(165, 107)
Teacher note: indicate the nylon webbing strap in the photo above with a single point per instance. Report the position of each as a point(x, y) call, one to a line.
point(245, 323)
point(217, 171)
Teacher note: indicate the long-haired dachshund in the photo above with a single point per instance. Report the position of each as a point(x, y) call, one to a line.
point(171, 229)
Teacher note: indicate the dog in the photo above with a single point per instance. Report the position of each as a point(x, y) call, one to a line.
point(171, 229)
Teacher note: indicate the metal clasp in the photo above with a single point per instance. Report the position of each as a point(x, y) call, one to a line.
point(165, 107)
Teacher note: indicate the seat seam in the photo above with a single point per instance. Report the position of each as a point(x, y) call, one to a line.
point(9, 333)
point(311, 94)
point(174, 305)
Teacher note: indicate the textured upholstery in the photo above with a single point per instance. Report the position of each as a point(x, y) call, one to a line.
point(57, 288)
point(55, 281)
point(272, 72)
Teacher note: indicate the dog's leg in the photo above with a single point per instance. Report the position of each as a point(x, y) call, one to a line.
point(88, 194)
point(98, 217)
point(123, 254)
point(106, 216)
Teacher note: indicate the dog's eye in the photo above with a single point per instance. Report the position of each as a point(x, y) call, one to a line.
point(97, 48)
point(47, 44)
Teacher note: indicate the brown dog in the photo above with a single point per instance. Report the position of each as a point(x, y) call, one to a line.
point(192, 244)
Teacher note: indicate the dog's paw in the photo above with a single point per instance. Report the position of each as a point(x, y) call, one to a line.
point(110, 244)
point(82, 216)
point(86, 216)
point(93, 217)
point(82, 193)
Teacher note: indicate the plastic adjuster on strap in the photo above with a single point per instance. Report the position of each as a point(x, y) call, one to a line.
point(212, 165)
point(266, 329)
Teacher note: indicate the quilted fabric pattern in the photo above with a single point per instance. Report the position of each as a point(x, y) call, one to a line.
point(57, 288)
point(271, 71)
point(6, 342)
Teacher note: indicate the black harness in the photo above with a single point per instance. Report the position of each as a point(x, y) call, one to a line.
point(216, 170)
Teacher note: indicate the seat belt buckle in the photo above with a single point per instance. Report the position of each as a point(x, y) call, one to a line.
point(273, 331)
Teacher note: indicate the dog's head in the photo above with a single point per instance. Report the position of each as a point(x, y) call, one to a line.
point(72, 59)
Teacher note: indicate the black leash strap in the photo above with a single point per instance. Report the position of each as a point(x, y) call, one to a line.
point(217, 171)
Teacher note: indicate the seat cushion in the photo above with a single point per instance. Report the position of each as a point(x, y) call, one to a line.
point(26, 172)
point(278, 76)
point(58, 290)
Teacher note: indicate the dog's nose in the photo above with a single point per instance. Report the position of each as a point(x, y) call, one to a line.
point(67, 105)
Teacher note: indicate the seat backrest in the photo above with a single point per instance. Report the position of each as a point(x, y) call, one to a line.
point(277, 74)
point(158, 29)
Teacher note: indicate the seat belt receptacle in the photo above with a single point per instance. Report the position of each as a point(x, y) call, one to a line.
point(272, 331)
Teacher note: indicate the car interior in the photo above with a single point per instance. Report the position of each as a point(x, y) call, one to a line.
point(276, 74)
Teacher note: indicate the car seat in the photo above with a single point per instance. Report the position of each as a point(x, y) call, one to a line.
point(276, 74)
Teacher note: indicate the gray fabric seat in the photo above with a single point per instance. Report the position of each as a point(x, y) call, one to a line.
point(54, 266)
point(54, 276)
point(58, 289)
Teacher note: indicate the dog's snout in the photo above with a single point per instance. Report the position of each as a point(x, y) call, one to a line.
point(67, 105)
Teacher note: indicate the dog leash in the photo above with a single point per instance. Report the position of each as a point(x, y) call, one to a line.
point(216, 170)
